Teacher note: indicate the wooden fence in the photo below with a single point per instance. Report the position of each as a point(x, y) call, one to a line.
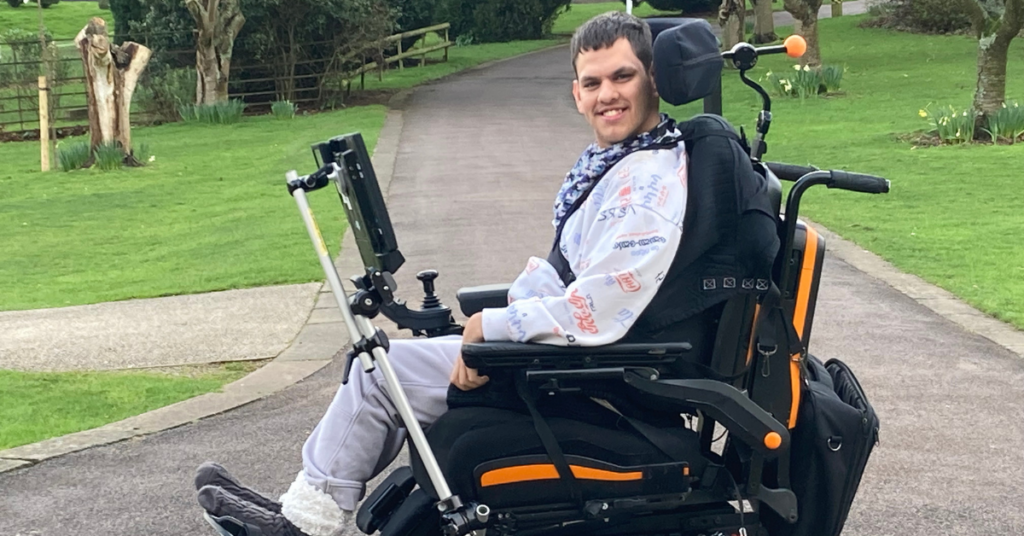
point(258, 84)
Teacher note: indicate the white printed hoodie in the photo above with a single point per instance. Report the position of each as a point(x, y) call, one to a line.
point(619, 244)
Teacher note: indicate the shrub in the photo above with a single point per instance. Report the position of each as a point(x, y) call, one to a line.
point(164, 91)
point(951, 125)
point(923, 16)
point(14, 3)
point(500, 20)
point(805, 81)
point(832, 77)
point(141, 152)
point(219, 113)
point(109, 156)
point(283, 109)
point(72, 155)
point(413, 15)
point(684, 6)
point(1007, 123)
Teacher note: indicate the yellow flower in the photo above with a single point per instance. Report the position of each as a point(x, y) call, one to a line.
point(922, 113)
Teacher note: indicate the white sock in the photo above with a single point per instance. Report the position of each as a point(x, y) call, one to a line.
point(313, 511)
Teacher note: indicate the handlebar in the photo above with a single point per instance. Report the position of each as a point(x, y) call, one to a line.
point(744, 55)
point(844, 180)
point(789, 172)
point(859, 182)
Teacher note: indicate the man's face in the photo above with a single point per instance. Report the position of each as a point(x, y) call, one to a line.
point(614, 93)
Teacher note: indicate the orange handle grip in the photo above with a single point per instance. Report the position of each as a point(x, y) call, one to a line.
point(795, 46)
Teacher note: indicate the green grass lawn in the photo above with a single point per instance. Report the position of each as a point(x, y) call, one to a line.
point(63, 20)
point(954, 215)
point(567, 22)
point(30, 411)
point(459, 59)
point(210, 213)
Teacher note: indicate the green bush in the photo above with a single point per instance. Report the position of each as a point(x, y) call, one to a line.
point(684, 6)
point(14, 3)
point(141, 152)
point(500, 20)
point(282, 109)
point(72, 155)
point(163, 92)
point(1007, 123)
point(413, 15)
point(951, 125)
point(218, 113)
point(923, 16)
point(109, 156)
point(806, 82)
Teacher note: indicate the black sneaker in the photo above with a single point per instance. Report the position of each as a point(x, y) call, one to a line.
point(244, 518)
point(214, 474)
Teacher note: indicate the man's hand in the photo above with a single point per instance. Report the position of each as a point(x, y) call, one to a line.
point(463, 377)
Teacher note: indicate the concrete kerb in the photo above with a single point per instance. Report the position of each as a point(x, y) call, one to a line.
point(318, 342)
point(939, 301)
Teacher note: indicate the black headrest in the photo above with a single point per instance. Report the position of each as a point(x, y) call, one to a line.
point(687, 61)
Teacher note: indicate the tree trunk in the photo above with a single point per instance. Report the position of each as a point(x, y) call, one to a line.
point(837, 9)
point(991, 89)
point(806, 14)
point(217, 23)
point(111, 72)
point(732, 16)
point(994, 37)
point(764, 22)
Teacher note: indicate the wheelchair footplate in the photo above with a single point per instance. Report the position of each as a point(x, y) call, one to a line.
point(230, 526)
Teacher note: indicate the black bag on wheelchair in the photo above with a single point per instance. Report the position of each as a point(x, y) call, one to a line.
point(831, 444)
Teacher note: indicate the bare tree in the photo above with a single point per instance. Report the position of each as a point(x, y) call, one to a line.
point(764, 22)
point(218, 23)
point(111, 72)
point(995, 24)
point(806, 14)
point(732, 15)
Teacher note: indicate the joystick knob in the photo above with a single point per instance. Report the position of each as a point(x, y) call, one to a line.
point(427, 277)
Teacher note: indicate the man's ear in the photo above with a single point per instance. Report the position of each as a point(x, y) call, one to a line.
point(576, 95)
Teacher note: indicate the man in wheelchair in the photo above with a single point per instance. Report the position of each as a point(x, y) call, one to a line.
point(665, 243)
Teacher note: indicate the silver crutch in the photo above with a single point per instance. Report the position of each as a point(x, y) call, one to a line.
point(370, 352)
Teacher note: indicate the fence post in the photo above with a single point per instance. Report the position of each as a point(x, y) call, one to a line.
point(401, 62)
point(446, 41)
point(44, 124)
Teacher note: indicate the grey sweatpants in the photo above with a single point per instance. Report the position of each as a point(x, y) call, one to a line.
point(362, 432)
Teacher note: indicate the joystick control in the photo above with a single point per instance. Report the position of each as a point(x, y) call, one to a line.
point(427, 277)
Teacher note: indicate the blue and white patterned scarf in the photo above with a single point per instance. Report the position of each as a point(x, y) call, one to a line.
point(596, 160)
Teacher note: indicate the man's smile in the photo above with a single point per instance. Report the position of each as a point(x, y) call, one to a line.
point(612, 113)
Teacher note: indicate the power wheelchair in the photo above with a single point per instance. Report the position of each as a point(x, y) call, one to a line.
point(733, 447)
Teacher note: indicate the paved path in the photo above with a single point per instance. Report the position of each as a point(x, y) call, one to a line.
point(480, 158)
point(203, 328)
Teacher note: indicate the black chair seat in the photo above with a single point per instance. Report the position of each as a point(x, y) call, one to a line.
point(496, 456)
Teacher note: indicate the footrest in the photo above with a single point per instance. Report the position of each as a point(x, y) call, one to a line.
point(378, 507)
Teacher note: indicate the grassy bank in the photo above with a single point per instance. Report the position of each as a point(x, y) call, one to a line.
point(36, 406)
point(954, 214)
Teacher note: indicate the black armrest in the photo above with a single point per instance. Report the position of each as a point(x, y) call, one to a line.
point(489, 355)
point(472, 300)
point(744, 419)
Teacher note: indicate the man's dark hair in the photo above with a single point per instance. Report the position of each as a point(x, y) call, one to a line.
point(605, 29)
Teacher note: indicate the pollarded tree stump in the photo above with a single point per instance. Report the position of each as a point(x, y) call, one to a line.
point(111, 73)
